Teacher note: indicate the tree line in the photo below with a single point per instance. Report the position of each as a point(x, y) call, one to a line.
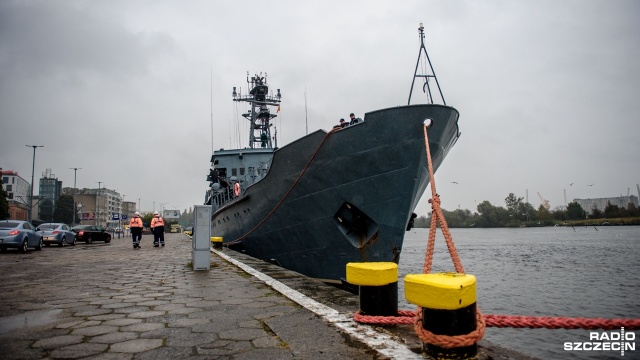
point(517, 213)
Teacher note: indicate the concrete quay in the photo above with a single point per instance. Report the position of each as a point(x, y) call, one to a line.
point(109, 301)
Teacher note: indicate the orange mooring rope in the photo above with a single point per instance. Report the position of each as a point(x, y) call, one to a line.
point(426, 336)
point(501, 321)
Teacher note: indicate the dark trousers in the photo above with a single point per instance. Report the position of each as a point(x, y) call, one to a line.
point(136, 235)
point(158, 235)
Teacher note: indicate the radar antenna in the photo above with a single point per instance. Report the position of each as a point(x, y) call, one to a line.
point(259, 115)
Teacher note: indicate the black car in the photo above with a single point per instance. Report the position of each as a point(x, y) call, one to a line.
point(91, 233)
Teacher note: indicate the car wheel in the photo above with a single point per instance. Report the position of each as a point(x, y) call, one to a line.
point(107, 239)
point(62, 243)
point(40, 244)
point(74, 241)
point(89, 240)
point(24, 246)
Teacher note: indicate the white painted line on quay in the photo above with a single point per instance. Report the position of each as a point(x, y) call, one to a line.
point(385, 344)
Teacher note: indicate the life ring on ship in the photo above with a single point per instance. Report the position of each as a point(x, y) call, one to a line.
point(236, 189)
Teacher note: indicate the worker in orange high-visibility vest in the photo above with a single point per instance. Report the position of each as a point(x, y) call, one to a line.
point(157, 228)
point(135, 225)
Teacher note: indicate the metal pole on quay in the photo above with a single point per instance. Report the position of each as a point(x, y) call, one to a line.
point(33, 167)
point(75, 171)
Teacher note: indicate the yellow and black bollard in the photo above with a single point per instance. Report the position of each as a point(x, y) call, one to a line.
point(448, 302)
point(216, 242)
point(378, 287)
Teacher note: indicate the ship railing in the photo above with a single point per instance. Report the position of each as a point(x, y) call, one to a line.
point(254, 174)
point(225, 195)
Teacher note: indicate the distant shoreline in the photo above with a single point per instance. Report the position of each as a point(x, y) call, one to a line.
point(629, 221)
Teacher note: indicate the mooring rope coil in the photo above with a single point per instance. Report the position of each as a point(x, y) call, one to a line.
point(407, 317)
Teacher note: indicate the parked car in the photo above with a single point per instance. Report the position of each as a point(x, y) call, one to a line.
point(19, 234)
point(57, 233)
point(91, 233)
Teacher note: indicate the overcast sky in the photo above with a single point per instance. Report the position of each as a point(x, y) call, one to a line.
point(548, 91)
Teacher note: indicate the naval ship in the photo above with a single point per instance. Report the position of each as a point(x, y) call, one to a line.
point(330, 197)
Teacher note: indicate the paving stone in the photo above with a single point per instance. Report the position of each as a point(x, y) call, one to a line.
point(58, 341)
point(117, 305)
point(171, 353)
point(70, 324)
point(106, 317)
point(114, 337)
point(89, 323)
point(152, 303)
point(110, 356)
point(266, 341)
point(93, 312)
point(95, 330)
point(136, 346)
point(78, 351)
point(122, 322)
point(143, 327)
point(145, 314)
point(242, 334)
point(185, 322)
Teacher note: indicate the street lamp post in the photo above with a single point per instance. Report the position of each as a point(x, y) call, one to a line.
point(98, 205)
point(33, 167)
point(75, 172)
point(120, 217)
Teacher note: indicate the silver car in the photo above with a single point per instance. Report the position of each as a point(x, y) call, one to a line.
point(57, 233)
point(19, 234)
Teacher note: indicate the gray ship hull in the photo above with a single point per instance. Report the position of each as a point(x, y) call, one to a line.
point(345, 196)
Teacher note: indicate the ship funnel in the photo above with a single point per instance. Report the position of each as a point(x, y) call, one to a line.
point(235, 94)
point(278, 94)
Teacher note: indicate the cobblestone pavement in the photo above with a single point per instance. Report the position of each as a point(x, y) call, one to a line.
point(108, 301)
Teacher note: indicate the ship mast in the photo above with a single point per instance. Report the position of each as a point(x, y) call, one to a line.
point(259, 115)
point(426, 88)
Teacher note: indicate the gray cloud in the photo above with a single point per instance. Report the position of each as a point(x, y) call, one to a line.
point(546, 90)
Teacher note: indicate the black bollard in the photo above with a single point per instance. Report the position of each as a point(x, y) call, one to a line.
point(216, 242)
point(378, 287)
point(448, 302)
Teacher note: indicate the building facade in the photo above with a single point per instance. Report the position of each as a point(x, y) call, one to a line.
point(17, 190)
point(97, 206)
point(16, 187)
point(601, 203)
point(49, 192)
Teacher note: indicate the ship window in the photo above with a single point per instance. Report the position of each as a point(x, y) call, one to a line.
point(234, 172)
point(241, 171)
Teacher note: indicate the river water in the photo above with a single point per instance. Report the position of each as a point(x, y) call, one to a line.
point(550, 271)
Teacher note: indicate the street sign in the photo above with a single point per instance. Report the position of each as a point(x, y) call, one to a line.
point(124, 217)
point(116, 216)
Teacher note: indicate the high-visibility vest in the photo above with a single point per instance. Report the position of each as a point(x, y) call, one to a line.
point(157, 221)
point(135, 222)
